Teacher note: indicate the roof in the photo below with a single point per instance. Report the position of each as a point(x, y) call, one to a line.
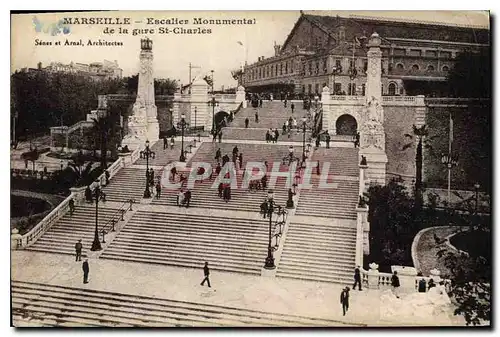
point(390, 28)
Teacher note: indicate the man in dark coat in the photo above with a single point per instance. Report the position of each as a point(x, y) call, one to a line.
point(187, 197)
point(256, 117)
point(78, 250)
point(344, 299)
point(292, 106)
point(165, 143)
point(218, 155)
point(240, 159)
point(395, 284)
point(357, 279)
point(263, 181)
point(225, 159)
point(220, 136)
point(220, 189)
point(71, 206)
point(85, 267)
point(206, 272)
point(268, 136)
point(235, 150)
point(158, 190)
point(246, 122)
point(327, 139)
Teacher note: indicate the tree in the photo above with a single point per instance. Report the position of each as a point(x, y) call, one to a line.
point(471, 74)
point(470, 285)
point(420, 133)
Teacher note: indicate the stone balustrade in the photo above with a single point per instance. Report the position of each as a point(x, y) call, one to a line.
point(403, 100)
point(77, 194)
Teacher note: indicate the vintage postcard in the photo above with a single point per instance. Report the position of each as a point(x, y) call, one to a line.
point(251, 169)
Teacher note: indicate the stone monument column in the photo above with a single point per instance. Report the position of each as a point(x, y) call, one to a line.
point(143, 123)
point(372, 134)
point(199, 98)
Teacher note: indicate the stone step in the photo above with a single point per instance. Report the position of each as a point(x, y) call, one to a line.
point(323, 258)
point(312, 277)
point(165, 312)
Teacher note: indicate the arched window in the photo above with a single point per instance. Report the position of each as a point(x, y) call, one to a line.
point(430, 67)
point(400, 66)
point(392, 89)
point(415, 67)
point(445, 68)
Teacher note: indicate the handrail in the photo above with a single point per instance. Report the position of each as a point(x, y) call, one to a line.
point(116, 217)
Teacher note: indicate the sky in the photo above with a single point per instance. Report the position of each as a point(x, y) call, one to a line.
point(219, 51)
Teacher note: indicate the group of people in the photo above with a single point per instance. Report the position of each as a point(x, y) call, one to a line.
point(165, 143)
point(184, 197)
point(237, 159)
point(272, 135)
point(155, 186)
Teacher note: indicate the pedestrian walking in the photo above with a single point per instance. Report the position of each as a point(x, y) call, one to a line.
point(246, 122)
point(86, 270)
point(318, 141)
point(285, 125)
point(71, 206)
point(268, 136)
point(220, 189)
point(218, 168)
point(276, 135)
point(165, 143)
point(395, 284)
point(292, 106)
point(173, 172)
point(327, 139)
point(206, 273)
point(344, 299)
point(78, 250)
point(240, 159)
point(356, 139)
point(357, 279)
point(422, 286)
point(158, 190)
point(220, 136)
point(256, 116)
point(187, 198)
point(172, 142)
point(284, 103)
point(261, 101)
point(218, 155)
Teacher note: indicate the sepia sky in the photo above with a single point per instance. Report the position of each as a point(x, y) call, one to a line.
point(219, 50)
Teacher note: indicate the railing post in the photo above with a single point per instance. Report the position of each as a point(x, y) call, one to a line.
point(103, 236)
point(113, 224)
point(122, 213)
point(131, 202)
point(373, 276)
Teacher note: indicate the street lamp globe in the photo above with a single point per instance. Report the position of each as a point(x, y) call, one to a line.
point(477, 186)
point(304, 120)
point(290, 149)
point(147, 143)
point(183, 116)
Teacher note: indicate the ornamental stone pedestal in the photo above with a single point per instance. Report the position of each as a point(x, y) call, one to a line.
point(373, 276)
point(240, 96)
point(372, 134)
point(143, 123)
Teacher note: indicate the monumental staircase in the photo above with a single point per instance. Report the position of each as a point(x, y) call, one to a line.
point(36, 304)
point(63, 235)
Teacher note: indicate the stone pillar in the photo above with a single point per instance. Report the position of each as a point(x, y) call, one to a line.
point(143, 123)
point(373, 275)
point(240, 96)
point(325, 100)
point(199, 98)
point(420, 113)
point(78, 194)
point(176, 108)
point(435, 275)
point(372, 134)
point(15, 239)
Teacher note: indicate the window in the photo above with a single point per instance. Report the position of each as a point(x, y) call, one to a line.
point(400, 66)
point(415, 52)
point(430, 67)
point(338, 64)
point(445, 54)
point(351, 88)
point(415, 67)
point(303, 88)
point(317, 67)
point(399, 52)
point(338, 88)
point(365, 66)
point(281, 68)
point(325, 69)
point(445, 68)
point(286, 67)
point(392, 89)
point(382, 89)
point(310, 68)
point(401, 91)
point(291, 67)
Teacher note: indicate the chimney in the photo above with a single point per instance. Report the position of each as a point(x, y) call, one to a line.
point(39, 65)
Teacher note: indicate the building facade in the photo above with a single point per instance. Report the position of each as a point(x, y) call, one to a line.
point(331, 51)
point(95, 70)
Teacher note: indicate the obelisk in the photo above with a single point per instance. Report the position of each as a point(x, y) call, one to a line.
point(143, 123)
point(372, 134)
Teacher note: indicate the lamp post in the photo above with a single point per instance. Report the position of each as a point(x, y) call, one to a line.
point(213, 103)
point(271, 206)
point(147, 153)
point(62, 164)
point(304, 125)
point(182, 125)
point(212, 81)
point(98, 194)
point(289, 160)
point(449, 161)
point(171, 111)
point(476, 188)
point(195, 117)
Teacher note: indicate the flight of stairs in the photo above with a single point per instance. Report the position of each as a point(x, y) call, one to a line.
point(258, 133)
point(339, 202)
point(188, 240)
point(63, 235)
point(343, 160)
point(319, 252)
point(128, 183)
point(44, 305)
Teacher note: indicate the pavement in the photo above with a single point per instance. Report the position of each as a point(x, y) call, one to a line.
point(287, 296)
